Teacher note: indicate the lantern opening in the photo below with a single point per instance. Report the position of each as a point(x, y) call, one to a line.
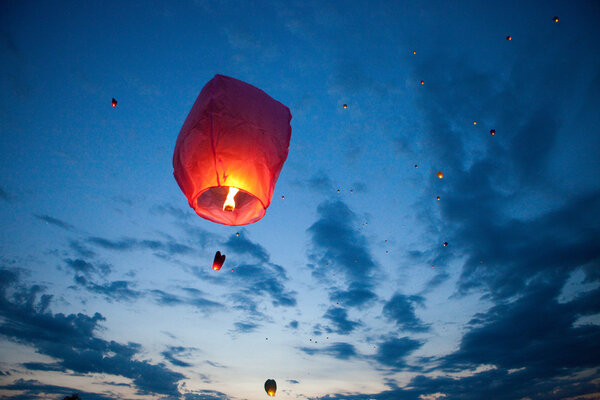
point(229, 204)
point(271, 393)
point(212, 205)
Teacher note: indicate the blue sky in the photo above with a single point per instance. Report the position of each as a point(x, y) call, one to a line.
point(106, 286)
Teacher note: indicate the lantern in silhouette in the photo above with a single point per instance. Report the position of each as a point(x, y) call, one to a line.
point(422, 82)
point(445, 244)
point(114, 102)
point(230, 151)
point(345, 105)
point(555, 19)
point(270, 387)
point(440, 174)
point(492, 132)
point(218, 261)
point(509, 38)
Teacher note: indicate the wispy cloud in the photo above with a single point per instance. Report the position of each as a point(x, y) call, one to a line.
point(55, 221)
point(169, 247)
point(339, 350)
point(338, 317)
point(400, 309)
point(173, 352)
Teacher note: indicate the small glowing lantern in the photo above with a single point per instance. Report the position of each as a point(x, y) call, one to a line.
point(438, 198)
point(555, 19)
point(474, 122)
point(509, 38)
point(414, 52)
point(114, 102)
point(345, 105)
point(218, 261)
point(422, 82)
point(440, 174)
point(270, 387)
point(492, 132)
point(445, 244)
point(230, 151)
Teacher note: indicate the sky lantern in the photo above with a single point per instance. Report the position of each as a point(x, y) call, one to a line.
point(218, 261)
point(509, 38)
point(492, 132)
point(345, 105)
point(438, 198)
point(555, 19)
point(270, 387)
point(414, 52)
point(440, 174)
point(474, 122)
point(445, 244)
point(114, 102)
point(422, 82)
point(230, 151)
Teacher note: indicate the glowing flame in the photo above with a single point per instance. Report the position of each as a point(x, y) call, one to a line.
point(271, 393)
point(229, 204)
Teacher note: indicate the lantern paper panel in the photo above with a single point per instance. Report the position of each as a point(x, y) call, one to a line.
point(236, 136)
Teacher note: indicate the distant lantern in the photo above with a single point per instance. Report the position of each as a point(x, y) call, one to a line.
point(114, 102)
point(230, 151)
point(218, 261)
point(422, 82)
point(509, 38)
point(438, 198)
point(440, 174)
point(414, 52)
point(492, 132)
point(445, 244)
point(474, 122)
point(271, 387)
point(416, 166)
point(555, 19)
point(345, 105)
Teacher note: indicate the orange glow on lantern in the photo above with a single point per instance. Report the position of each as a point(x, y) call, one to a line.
point(271, 387)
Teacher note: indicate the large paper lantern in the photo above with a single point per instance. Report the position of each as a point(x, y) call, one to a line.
point(230, 151)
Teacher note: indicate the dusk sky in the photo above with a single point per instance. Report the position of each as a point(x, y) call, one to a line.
point(345, 289)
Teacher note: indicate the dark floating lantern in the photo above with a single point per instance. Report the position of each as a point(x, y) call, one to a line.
point(271, 387)
point(218, 261)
